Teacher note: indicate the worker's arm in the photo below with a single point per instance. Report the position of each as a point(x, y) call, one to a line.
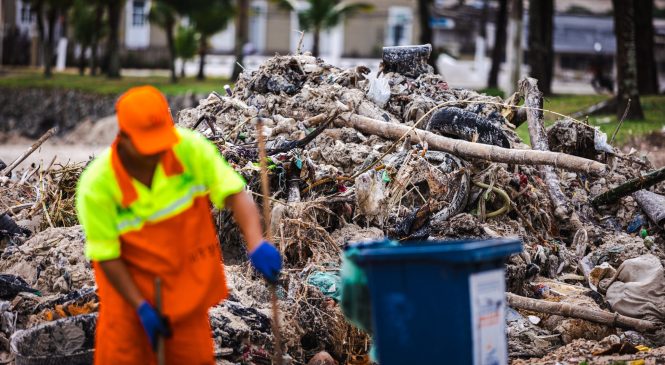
point(116, 272)
point(246, 215)
point(263, 255)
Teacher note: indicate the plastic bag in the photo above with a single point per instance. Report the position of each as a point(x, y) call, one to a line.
point(379, 91)
point(328, 283)
point(600, 141)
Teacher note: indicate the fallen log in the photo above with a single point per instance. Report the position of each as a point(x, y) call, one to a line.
point(464, 149)
point(568, 310)
point(29, 151)
point(645, 181)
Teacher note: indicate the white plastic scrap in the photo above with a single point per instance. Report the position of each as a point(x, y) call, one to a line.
point(379, 91)
point(600, 141)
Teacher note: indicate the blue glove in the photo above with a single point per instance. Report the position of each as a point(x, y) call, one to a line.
point(267, 260)
point(153, 323)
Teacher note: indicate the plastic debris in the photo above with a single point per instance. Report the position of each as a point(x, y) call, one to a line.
point(379, 91)
point(328, 283)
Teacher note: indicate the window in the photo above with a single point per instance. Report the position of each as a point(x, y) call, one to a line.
point(26, 13)
point(138, 13)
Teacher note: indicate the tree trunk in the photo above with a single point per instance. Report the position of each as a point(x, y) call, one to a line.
point(465, 149)
point(533, 99)
point(94, 57)
point(626, 62)
point(499, 44)
point(202, 57)
point(426, 36)
point(647, 72)
point(515, 46)
point(82, 60)
point(541, 52)
point(48, 45)
point(41, 32)
point(182, 69)
point(113, 48)
point(575, 311)
point(170, 23)
point(317, 39)
point(242, 37)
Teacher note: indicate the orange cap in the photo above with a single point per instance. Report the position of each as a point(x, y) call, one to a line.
point(143, 114)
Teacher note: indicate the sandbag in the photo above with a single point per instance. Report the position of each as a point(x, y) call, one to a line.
point(638, 288)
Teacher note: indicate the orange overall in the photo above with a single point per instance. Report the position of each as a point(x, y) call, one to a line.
point(163, 231)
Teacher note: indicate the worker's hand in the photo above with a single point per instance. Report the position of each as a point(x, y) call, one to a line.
point(266, 259)
point(153, 324)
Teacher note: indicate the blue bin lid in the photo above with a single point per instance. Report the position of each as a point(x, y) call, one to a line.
point(451, 251)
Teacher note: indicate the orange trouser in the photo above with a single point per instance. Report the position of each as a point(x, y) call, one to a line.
point(121, 340)
point(184, 252)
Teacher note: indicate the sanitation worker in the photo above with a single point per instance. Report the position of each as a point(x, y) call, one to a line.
point(145, 209)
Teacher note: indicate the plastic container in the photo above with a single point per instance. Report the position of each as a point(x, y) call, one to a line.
point(67, 341)
point(438, 302)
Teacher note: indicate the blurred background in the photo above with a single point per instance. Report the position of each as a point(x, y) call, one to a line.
point(64, 61)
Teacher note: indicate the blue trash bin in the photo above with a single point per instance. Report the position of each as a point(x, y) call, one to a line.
point(438, 302)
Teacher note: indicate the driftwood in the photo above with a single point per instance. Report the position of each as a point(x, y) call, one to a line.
point(653, 205)
point(466, 149)
point(29, 151)
point(568, 310)
point(645, 181)
point(533, 100)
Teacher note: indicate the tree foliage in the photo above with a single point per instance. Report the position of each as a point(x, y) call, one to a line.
point(164, 15)
point(185, 45)
point(207, 21)
point(185, 42)
point(320, 15)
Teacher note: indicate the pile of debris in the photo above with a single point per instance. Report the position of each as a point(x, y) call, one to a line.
point(357, 156)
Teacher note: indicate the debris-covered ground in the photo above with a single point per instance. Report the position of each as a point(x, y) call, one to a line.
point(338, 174)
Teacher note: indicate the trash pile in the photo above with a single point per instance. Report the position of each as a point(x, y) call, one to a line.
point(356, 156)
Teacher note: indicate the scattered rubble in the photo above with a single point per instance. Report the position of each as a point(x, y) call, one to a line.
point(348, 164)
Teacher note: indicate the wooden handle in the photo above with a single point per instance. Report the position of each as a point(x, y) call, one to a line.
point(265, 191)
point(161, 352)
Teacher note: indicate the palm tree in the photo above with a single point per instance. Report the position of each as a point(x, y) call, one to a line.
point(208, 21)
point(114, 8)
point(242, 36)
point(626, 59)
point(647, 70)
point(499, 49)
point(53, 9)
point(164, 15)
point(323, 14)
point(541, 51)
point(426, 34)
point(83, 20)
point(101, 31)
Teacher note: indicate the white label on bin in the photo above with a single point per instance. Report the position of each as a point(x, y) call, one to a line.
point(488, 306)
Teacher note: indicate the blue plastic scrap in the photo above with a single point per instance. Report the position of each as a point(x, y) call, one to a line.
point(329, 283)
